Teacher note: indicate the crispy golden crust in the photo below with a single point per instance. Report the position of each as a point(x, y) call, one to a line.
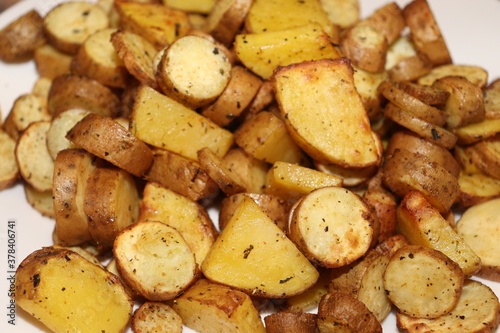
point(107, 139)
point(156, 317)
point(293, 322)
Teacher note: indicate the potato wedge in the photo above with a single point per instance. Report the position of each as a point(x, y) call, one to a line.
point(476, 311)
point(72, 167)
point(67, 25)
point(308, 300)
point(339, 312)
point(263, 52)
point(9, 171)
point(366, 84)
point(329, 233)
point(292, 322)
point(292, 181)
point(308, 95)
point(422, 282)
point(105, 138)
point(72, 91)
point(181, 213)
point(181, 175)
point(158, 24)
point(111, 203)
point(277, 15)
point(254, 255)
point(479, 226)
point(97, 59)
point(266, 138)
point(156, 317)
point(164, 123)
point(33, 158)
point(155, 260)
point(68, 293)
point(22, 37)
point(422, 224)
point(210, 307)
point(193, 71)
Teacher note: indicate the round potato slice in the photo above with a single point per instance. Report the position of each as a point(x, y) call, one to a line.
point(477, 311)
point(332, 226)
point(59, 126)
point(155, 260)
point(193, 71)
point(422, 282)
point(9, 171)
point(156, 317)
point(69, 24)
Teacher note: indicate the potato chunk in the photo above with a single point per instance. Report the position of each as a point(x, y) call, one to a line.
point(324, 112)
point(68, 293)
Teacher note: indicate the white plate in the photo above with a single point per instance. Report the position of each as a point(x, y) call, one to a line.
point(471, 30)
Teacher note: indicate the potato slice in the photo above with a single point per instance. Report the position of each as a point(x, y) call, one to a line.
point(181, 213)
point(344, 13)
point(477, 131)
point(430, 95)
point(225, 19)
point(181, 175)
point(363, 280)
point(423, 225)
point(426, 33)
point(476, 311)
point(72, 167)
point(59, 127)
point(332, 226)
point(263, 52)
point(9, 171)
point(158, 24)
point(492, 100)
point(465, 105)
point(68, 293)
point(193, 71)
point(22, 37)
point(486, 156)
point(479, 226)
point(80, 92)
point(254, 255)
point(98, 60)
point(33, 158)
point(252, 171)
point(291, 181)
point(164, 123)
point(105, 138)
point(422, 282)
point(156, 317)
point(291, 322)
point(40, 201)
point(475, 74)
point(237, 95)
point(425, 129)
point(339, 312)
point(155, 260)
point(211, 307)
point(475, 188)
point(197, 6)
point(50, 62)
point(351, 177)
point(366, 84)
point(27, 109)
point(138, 56)
point(309, 96)
point(67, 25)
point(111, 203)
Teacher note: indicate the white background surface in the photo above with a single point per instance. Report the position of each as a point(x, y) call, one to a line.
point(471, 30)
